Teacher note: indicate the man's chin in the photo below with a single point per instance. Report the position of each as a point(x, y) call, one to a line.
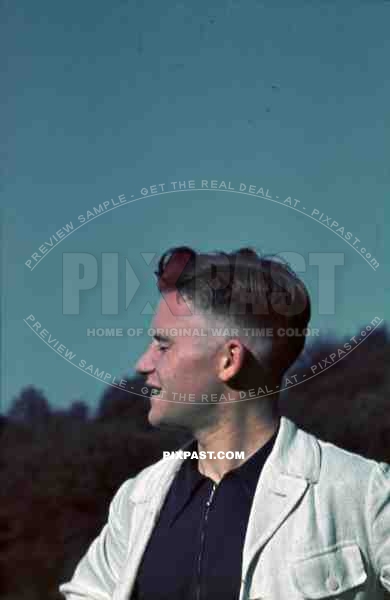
point(156, 416)
point(160, 418)
point(153, 419)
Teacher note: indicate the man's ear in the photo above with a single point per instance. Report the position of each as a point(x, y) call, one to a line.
point(250, 372)
point(232, 359)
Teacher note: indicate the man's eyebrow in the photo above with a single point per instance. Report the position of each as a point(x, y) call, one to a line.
point(161, 338)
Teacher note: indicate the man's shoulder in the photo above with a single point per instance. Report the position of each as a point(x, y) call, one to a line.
point(339, 463)
point(147, 482)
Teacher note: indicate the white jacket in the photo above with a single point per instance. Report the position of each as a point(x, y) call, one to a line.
point(319, 527)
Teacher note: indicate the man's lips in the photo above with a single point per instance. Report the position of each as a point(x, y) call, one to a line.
point(152, 385)
point(155, 391)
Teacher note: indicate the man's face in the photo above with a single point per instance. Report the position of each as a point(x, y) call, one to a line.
point(183, 366)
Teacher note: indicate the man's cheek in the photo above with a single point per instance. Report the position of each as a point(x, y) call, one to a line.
point(202, 346)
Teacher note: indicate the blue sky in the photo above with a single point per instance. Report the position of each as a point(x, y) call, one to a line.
point(104, 99)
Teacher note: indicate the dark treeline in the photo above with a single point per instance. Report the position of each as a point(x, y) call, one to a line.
point(59, 469)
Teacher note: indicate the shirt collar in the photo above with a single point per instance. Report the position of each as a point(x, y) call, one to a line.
point(189, 478)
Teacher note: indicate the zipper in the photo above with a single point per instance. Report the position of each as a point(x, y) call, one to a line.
point(202, 538)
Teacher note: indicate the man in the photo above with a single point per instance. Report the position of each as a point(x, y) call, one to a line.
point(292, 517)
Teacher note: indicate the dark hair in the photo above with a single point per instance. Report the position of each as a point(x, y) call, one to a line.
point(223, 286)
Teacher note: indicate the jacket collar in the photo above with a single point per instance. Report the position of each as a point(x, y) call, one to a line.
point(295, 454)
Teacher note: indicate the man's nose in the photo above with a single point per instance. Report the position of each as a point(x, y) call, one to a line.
point(144, 364)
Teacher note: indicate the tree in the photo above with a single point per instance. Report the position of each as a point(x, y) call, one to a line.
point(30, 407)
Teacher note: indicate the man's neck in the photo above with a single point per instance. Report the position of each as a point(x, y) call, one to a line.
point(247, 436)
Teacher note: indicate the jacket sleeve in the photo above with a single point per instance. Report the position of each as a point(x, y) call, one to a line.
point(379, 517)
point(97, 573)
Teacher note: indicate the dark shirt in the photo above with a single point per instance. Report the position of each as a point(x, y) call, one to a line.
point(195, 550)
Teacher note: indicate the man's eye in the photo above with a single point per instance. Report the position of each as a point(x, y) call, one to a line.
point(160, 346)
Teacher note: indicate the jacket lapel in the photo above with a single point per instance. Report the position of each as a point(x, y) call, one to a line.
point(270, 508)
point(147, 498)
point(293, 463)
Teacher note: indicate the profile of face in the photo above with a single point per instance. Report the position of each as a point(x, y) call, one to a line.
point(183, 367)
